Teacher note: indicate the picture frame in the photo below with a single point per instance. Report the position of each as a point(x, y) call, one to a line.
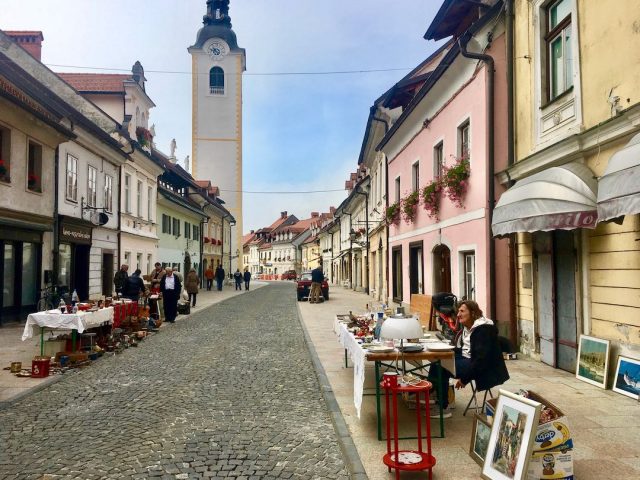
point(480, 435)
point(592, 363)
point(512, 433)
point(627, 377)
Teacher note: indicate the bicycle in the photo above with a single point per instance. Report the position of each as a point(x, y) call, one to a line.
point(49, 298)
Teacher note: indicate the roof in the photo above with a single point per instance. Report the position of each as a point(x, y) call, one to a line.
point(24, 33)
point(247, 238)
point(96, 82)
point(454, 17)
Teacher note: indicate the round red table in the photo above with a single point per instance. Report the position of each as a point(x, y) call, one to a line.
point(407, 460)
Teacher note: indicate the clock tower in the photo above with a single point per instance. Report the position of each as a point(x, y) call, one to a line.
point(217, 65)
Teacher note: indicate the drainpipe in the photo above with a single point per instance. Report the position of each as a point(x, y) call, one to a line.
point(200, 272)
point(488, 59)
point(386, 204)
point(55, 264)
point(222, 240)
point(513, 238)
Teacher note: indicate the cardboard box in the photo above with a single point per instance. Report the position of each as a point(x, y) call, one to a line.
point(553, 435)
point(551, 465)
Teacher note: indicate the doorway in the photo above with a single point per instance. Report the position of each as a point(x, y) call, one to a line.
point(107, 274)
point(396, 263)
point(80, 278)
point(416, 268)
point(441, 269)
point(556, 264)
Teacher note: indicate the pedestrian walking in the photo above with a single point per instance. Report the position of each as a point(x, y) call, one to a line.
point(133, 286)
point(191, 284)
point(170, 287)
point(238, 278)
point(120, 278)
point(209, 274)
point(316, 284)
point(247, 278)
point(219, 277)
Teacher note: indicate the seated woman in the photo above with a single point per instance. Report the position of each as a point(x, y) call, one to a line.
point(478, 355)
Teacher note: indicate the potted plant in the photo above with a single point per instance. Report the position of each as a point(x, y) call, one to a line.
point(431, 198)
point(3, 170)
point(392, 214)
point(410, 206)
point(144, 136)
point(32, 182)
point(454, 180)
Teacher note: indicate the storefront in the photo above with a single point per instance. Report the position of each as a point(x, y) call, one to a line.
point(74, 254)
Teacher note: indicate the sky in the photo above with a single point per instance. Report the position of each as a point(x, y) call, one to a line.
point(301, 132)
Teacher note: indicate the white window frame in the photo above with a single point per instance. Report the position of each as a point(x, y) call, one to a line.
point(108, 193)
point(149, 203)
point(127, 193)
point(92, 186)
point(464, 126)
point(139, 199)
point(398, 186)
point(71, 191)
point(467, 278)
point(415, 176)
point(438, 159)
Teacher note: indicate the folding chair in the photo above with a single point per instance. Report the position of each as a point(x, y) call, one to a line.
point(474, 398)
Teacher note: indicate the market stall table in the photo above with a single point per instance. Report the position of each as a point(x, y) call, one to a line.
point(55, 320)
point(359, 356)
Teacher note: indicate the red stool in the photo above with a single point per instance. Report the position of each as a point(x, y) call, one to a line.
point(407, 460)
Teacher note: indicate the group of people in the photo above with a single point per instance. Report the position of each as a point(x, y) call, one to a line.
point(219, 276)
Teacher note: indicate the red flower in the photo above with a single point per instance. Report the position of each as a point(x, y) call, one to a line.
point(32, 179)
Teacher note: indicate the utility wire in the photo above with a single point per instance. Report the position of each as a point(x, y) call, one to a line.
point(263, 74)
point(284, 192)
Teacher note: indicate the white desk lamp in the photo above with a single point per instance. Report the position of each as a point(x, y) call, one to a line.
point(401, 329)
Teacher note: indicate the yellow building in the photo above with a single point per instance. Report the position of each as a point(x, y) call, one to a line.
point(576, 104)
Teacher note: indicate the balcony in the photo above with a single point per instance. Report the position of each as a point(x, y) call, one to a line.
point(216, 90)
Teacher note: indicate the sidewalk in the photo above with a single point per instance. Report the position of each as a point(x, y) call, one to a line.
point(604, 425)
point(13, 349)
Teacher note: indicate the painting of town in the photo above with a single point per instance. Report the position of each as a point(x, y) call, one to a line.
point(593, 360)
point(627, 379)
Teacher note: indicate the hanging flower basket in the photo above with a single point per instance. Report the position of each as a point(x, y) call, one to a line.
point(207, 240)
point(455, 180)
point(392, 214)
point(431, 198)
point(410, 206)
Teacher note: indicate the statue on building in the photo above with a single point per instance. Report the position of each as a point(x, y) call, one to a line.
point(186, 164)
point(172, 148)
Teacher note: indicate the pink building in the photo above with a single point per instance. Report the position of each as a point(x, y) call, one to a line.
point(457, 117)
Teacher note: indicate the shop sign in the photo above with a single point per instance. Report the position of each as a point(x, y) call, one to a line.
point(574, 220)
point(75, 234)
point(13, 91)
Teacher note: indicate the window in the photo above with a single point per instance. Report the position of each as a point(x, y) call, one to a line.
point(438, 158)
point(127, 258)
point(92, 186)
point(139, 200)
point(5, 154)
point(139, 261)
point(187, 230)
point(196, 233)
point(176, 227)
point(127, 193)
point(149, 204)
point(397, 273)
point(469, 259)
point(72, 178)
point(463, 140)
point(166, 223)
point(559, 55)
point(415, 177)
point(108, 193)
point(216, 81)
point(34, 173)
point(397, 189)
point(149, 263)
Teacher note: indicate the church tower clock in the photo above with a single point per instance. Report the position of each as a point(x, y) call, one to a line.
point(217, 65)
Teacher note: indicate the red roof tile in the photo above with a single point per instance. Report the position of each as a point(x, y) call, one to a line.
point(96, 82)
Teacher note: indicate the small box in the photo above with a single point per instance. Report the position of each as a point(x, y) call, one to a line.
point(40, 367)
point(551, 465)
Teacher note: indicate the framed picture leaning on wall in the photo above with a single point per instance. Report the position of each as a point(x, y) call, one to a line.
point(627, 377)
point(512, 433)
point(479, 438)
point(593, 360)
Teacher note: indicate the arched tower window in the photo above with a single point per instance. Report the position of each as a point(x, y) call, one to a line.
point(216, 81)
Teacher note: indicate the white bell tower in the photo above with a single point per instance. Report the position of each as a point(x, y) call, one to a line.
point(217, 65)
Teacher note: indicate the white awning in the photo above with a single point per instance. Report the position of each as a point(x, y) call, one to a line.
point(619, 186)
point(558, 198)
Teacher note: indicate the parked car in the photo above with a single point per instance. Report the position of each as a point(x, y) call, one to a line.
point(304, 287)
point(289, 275)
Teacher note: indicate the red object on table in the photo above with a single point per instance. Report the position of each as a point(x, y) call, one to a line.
point(407, 460)
point(118, 314)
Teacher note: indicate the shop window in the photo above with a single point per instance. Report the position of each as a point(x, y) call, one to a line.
point(92, 186)
point(5, 154)
point(558, 48)
point(139, 200)
point(72, 178)
point(415, 177)
point(127, 193)
point(34, 172)
point(438, 159)
point(216, 81)
point(463, 140)
point(108, 193)
point(8, 277)
point(64, 278)
point(527, 277)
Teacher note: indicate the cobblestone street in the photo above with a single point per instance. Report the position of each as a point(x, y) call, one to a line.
point(228, 392)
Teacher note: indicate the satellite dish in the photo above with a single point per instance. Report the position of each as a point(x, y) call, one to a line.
point(99, 218)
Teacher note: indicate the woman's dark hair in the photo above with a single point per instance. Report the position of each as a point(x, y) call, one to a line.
point(473, 307)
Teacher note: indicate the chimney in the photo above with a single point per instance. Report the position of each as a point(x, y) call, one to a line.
point(315, 214)
point(283, 214)
point(332, 210)
point(31, 41)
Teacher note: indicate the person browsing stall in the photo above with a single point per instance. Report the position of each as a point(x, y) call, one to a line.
point(191, 284)
point(478, 356)
point(133, 286)
point(170, 287)
point(120, 278)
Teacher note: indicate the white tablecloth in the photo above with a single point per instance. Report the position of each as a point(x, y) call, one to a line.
point(80, 321)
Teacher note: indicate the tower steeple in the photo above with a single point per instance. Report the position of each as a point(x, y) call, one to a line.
point(217, 13)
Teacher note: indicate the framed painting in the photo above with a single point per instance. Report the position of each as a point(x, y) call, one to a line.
point(593, 360)
point(627, 379)
point(479, 438)
point(511, 440)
